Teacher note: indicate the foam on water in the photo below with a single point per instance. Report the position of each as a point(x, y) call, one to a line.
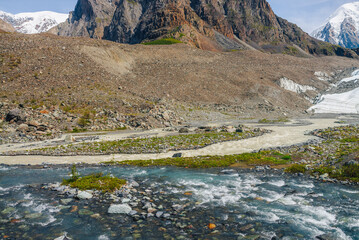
point(17, 187)
point(303, 185)
point(103, 237)
point(50, 220)
point(349, 191)
point(278, 183)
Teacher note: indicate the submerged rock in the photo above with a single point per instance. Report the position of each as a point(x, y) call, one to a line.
point(66, 201)
point(325, 237)
point(119, 208)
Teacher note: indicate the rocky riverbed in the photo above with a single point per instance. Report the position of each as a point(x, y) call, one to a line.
point(167, 203)
point(182, 139)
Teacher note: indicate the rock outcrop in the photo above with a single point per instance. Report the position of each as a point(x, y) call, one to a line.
point(210, 25)
point(88, 19)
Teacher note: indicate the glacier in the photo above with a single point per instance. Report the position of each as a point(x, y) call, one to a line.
point(345, 102)
point(34, 22)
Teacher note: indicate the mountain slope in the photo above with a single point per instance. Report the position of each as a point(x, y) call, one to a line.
point(33, 22)
point(342, 27)
point(131, 80)
point(207, 24)
point(6, 27)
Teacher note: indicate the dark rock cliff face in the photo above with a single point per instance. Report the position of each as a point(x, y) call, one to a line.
point(88, 19)
point(207, 24)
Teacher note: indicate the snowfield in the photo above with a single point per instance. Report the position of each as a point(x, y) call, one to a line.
point(33, 22)
point(347, 14)
point(289, 85)
point(347, 102)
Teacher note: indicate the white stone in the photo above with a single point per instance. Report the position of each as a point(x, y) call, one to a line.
point(119, 208)
point(84, 195)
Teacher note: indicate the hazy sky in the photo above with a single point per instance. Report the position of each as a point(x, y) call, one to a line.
point(307, 14)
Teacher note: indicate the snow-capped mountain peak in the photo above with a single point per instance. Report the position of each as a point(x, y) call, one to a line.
point(342, 27)
point(33, 22)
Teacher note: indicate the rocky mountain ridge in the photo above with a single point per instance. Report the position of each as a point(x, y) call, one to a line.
point(6, 27)
point(33, 22)
point(342, 27)
point(206, 24)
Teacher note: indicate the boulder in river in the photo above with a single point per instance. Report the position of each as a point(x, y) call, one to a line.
point(84, 195)
point(119, 208)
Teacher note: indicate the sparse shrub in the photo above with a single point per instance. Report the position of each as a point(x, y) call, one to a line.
point(163, 41)
point(84, 120)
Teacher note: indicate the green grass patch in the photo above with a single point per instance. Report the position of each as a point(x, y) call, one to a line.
point(279, 120)
point(78, 130)
point(250, 159)
point(163, 41)
point(150, 145)
point(95, 181)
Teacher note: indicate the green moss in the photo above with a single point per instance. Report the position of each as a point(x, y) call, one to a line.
point(296, 168)
point(164, 41)
point(93, 182)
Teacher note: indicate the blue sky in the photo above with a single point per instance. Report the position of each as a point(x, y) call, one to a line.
point(307, 14)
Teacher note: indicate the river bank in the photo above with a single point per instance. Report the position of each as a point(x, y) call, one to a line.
point(285, 134)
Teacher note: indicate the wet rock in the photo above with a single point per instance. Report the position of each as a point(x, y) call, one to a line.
point(159, 214)
point(33, 215)
point(325, 237)
point(84, 195)
point(85, 212)
point(151, 210)
point(134, 184)
point(66, 201)
point(246, 228)
point(177, 155)
point(119, 208)
point(324, 176)
point(96, 215)
point(8, 210)
point(132, 212)
point(63, 237)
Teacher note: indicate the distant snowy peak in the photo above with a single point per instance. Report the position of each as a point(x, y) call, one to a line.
point(33, 22)
point(342, 27)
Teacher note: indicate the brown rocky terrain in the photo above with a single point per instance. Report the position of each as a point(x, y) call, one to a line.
point(211, 25)
point(6, 27)
point(71, 83)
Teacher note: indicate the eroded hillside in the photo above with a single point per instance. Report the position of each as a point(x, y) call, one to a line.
point(137, 84)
